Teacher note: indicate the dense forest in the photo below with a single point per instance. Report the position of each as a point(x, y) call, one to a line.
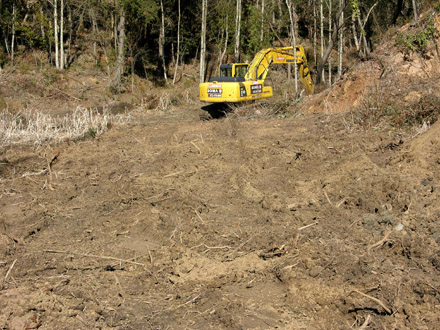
point(152, 38)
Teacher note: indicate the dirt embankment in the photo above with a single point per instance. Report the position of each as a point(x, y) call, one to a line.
point(176, 223)
point(395, 77)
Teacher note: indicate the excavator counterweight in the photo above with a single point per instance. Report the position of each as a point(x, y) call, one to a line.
point(242, 82)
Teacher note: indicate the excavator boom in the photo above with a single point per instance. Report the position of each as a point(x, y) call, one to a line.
point(251, 86)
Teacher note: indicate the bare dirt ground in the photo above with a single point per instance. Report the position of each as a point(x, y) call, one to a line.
point(174, 223)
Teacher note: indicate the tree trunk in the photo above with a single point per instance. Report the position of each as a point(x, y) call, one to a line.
point(13, 33)
point(132, 62)
point(330, 46)
point(353, 28)
point(315, 25)
point(341, 41)
point(121, 53)
point(364, 38)
point(292, 15)
point(178, 42)
point(115, 30)
point(219, 59)
point(62, 59)
point(69, 48)
point(416, 15)
point(321, 73)
point(226, 40)
point(203, 41)
point(162, 41)
point(397, 11)
point(55, 20)
point(329, 41)
point(95, 35)
point(237, 32)
point(262, 21)
point(43, 34)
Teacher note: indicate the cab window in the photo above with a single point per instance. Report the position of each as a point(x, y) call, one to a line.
point(240, 70)
point(226, 72)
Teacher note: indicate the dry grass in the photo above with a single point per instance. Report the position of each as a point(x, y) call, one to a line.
point(279, 108)
point(35, 127)
point(389, 104)
point(169, 100)
point(164, 103)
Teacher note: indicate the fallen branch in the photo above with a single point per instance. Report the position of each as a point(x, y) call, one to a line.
point(328, 199)
point(377, 301)
point(160, 200)
point(36, 326)
point(193, 299)
point(64, 93)
point(432, 287)
point(173, 174)
point(27, 174)
point(365, 324)
point(95, 256)
point(382, 241)
point(54, 159)
point(211, 247)
point(307, 226)
point(49, 179)
point(9, 271)
point(341, 202)
point(200, 152)
point(199, 216)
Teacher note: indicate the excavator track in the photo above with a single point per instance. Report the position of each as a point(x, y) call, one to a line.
point(221, 110)
point(215, 110)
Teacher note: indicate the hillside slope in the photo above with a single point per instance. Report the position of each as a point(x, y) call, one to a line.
point(395, 75)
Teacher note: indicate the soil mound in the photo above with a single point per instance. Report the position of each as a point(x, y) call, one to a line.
point(395, 74)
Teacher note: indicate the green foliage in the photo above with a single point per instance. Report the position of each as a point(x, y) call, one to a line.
point(29, 35)
point(355, 8)
point(50, 76)
point(90, 134)
point(253, 27)
point(417, 41)
point(221, 18)
point(140, 12)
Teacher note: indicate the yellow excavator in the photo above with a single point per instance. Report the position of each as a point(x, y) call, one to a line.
point(242, 82)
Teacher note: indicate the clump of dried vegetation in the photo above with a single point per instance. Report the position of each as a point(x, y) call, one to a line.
point(393, 107)
point(35, 127)
point(372, 113)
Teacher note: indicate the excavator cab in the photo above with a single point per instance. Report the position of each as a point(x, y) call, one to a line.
point(233, 70)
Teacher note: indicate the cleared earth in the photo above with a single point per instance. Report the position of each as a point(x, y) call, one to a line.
point(175, 223)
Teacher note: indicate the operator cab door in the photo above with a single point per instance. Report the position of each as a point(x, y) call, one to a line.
point(226, 70)
point(233, 70)
point(240, 70)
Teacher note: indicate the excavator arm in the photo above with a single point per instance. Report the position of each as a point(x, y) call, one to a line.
point(259, 67)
